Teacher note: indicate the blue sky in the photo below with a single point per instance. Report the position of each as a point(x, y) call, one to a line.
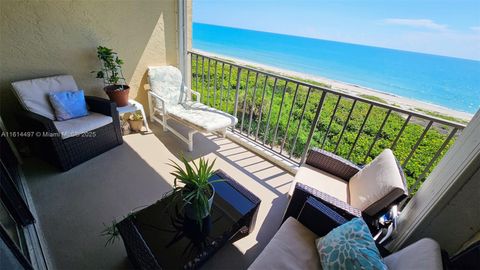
point(448, 27)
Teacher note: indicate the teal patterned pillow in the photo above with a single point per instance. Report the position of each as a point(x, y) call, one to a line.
point(349, 246)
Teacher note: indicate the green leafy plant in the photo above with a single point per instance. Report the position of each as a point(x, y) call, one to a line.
point(111, 71)
point(136, 116)
point(192, 185)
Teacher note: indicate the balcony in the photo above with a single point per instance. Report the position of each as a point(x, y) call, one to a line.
point(261, 153)
point(280, 118)
point(72, 207)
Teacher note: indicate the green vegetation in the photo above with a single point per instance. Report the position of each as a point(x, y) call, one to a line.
point(321, 84)
point(374, 98)
point(445, 117)
point(260, 112)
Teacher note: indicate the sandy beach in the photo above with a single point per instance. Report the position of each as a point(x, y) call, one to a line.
point(399, 101)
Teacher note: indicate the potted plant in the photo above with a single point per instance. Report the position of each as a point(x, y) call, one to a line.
point(193, 187)
point(136, 121)
point(112, 75)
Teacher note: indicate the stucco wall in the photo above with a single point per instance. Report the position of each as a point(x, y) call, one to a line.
point(42, 38)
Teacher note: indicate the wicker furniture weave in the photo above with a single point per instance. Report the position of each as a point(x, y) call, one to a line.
point(292, 248)
point(160, 237)
point(67, 153)
point(339, 167)
point(331, 163)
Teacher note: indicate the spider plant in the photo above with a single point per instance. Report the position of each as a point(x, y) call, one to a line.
point(193, 187)
point(111, 232)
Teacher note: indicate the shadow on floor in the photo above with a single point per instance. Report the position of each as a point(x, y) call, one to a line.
point(208, 144)
point(73, 206)
point(202, 146)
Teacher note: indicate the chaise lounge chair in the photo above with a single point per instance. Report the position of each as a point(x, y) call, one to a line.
point(168, 97)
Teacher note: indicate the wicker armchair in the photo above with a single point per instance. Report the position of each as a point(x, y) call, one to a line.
point(46, 137)
point(346, 188)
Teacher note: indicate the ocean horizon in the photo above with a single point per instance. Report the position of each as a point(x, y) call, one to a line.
point(446, 81)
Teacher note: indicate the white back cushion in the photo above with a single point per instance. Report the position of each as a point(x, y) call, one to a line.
point(33, 94)
point(166, 81)
point(377, 185)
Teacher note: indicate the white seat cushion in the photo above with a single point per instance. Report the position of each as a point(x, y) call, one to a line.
point(77, 126)
point(424, 254)
point(321, 181)
point(377, 185)
point(292, 247)
point(33, 94)
point(201, 117)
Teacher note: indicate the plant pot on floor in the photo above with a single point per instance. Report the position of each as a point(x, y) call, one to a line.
point(136, 125)
point(117, 94)
point(190, 210)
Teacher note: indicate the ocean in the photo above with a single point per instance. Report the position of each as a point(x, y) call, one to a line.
point(450, 82)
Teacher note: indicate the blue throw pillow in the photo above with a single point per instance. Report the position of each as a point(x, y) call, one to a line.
point(68, 104)
point(349, 246)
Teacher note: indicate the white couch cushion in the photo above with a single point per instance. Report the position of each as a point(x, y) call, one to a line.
point(377, 185)
point(33, 94)
point(321, 181)
point(201, 117)
point(292, 247)
point(77, 126)
point(424, 254)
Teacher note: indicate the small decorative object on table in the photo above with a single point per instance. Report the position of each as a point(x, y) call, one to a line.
point(136, 121)
point(196, 191)
point(125, 126)
point(112, 75)
point(132, 107)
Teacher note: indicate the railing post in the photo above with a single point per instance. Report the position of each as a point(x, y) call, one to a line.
point(437, 154)
point(377, 136)
point(254, 95)
point(244, 102)
point(228, 89)
point(300, 123)
point(427, 128)
point(261, 107)
point(237, 89)
point(312, 129)
point(331, 121)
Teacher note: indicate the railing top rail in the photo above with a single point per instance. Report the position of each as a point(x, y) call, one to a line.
point(335, 92)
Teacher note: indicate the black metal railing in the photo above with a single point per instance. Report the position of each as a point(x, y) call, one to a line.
point(290, 115)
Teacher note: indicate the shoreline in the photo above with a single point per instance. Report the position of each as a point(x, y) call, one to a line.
point(357, 90)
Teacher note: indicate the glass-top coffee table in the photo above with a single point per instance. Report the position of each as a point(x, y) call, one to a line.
point(160, 237)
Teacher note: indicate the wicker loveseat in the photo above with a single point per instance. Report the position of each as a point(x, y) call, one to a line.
point(65, 144)
point(293, 246)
